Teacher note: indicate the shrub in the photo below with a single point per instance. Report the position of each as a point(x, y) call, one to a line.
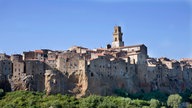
point(186, 95)
point(162, 97)
point(121, 92)
point(2, 93)
point(90, 102)
point(140, 103)
point(154, 103)
point(156, 95)
point(174, 100)
point(190, 99)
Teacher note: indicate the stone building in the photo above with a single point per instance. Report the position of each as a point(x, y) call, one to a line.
point(6, 65)
point(5, 71)
point(81, 71)
point(4, 56)
point(103, 74)
point(36, 55)
point(35, 71)
point(18, 71)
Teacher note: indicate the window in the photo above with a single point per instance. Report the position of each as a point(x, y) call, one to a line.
point(115, 30)
point(115, 39)
point(67, 60)
point(91, 74)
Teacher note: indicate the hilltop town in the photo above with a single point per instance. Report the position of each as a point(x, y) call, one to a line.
point(81, 71)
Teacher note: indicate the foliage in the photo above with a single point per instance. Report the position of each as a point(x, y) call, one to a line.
point(189, 106)
point(186, 95)
point(2, 93)
point(140, 103)
point(35, 100)
point(154, 103)
point(174, 100)
point(91, 101)
point(151, 95)
point(121, 92)
point(28, 99)
point(190, 98)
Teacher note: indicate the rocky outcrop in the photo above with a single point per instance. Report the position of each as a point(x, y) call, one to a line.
point(52, 82)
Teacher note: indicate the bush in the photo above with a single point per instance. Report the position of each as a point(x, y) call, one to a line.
point(154, 103)
point(174, 100)
point(151, 95)
point(90, 102)
point(156, 95)
point(2, 93)
point(186, 95)
point(140, 103)
point(121, 92)
point(190, 99)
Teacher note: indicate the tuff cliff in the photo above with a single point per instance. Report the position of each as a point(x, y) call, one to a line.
point(81, 71)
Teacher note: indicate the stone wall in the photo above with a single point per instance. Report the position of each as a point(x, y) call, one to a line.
point(105, 76)
point(100, 71)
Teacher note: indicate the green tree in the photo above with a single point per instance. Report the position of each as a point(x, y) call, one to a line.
point(174, 100)
point(154, 103)
point(91, 102)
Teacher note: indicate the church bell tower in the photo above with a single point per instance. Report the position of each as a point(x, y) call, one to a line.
point(117, 37)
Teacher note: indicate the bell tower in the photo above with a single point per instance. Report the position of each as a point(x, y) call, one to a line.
point(117, 37)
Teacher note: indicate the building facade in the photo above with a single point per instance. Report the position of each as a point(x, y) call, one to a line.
point(81, 71)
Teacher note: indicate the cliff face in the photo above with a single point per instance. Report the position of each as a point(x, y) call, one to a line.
point(95, 72)
point(81, 71)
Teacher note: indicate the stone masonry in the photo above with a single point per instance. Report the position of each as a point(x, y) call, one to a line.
point(81, 71)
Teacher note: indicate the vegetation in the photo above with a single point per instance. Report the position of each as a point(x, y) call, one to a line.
point(151, 95)
point(154, 103)
point(2, 93)
point(27, 99)
point(174, 100)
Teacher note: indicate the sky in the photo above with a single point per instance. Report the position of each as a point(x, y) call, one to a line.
point(164, 26)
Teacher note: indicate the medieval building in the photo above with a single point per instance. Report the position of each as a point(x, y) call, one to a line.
point(81, 71)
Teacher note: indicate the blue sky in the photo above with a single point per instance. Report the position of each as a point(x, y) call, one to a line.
point(164, 26)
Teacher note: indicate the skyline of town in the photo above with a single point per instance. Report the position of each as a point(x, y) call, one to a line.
point(163, 26)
